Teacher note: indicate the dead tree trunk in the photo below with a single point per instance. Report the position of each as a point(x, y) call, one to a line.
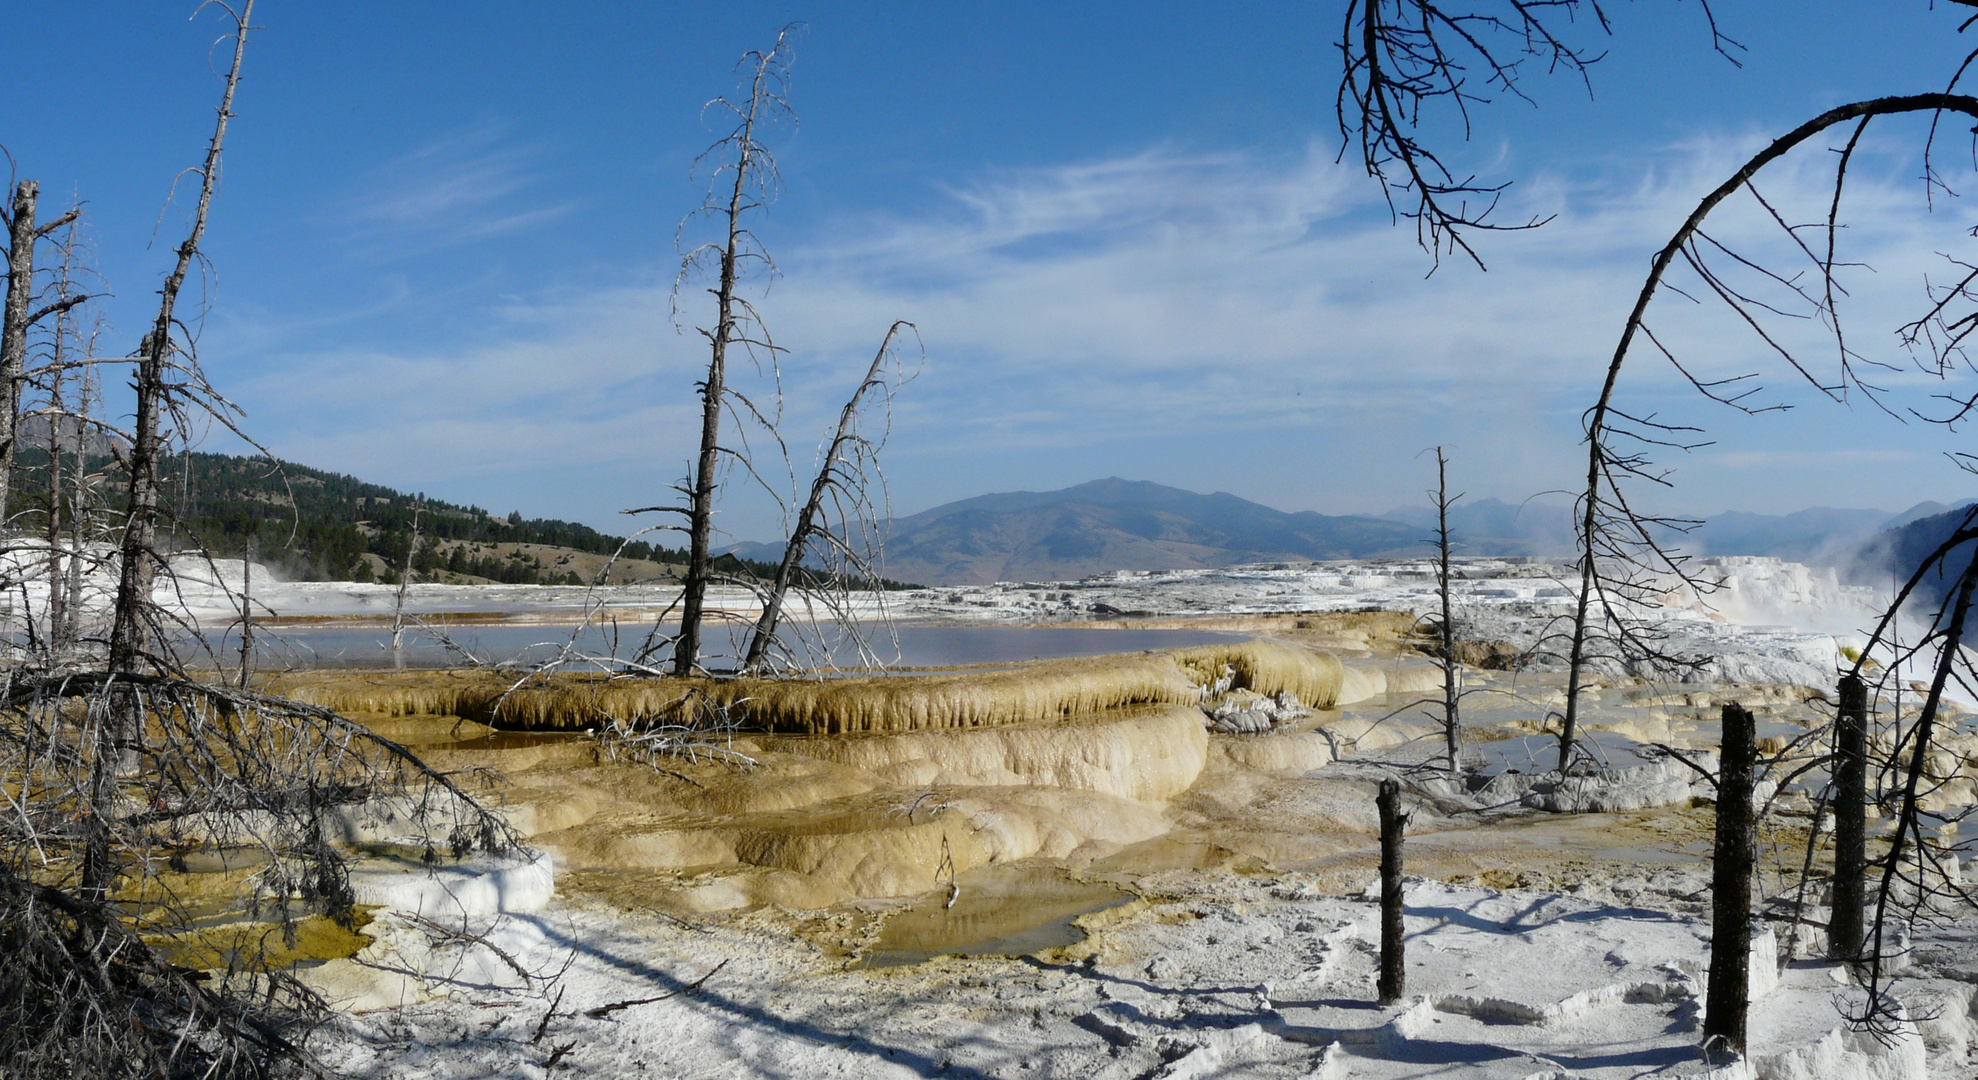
point(20, 317)
point(1576, 662)
point(404, 580)
point(836, 474)
point(754, 170)
point(686, 649)
point(78, 511)
point(1393, 947)
point(1451, 718)
point(1844, 937)
point(247, 614)
point(60, 512)
point(21, 235)
point(68, 456)
point(57, 598)
point(130, 632)
point(1735, 856)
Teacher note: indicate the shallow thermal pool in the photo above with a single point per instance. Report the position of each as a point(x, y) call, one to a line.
point(918, 645)
point(1001, 910)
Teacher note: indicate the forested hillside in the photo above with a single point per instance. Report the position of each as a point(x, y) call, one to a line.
point(222, 502)
point(313, 525)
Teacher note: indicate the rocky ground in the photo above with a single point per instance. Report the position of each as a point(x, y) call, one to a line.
point(1211, 972)
point(1238, 939)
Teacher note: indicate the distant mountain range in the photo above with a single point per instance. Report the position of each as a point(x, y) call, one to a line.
point(1895, 553)
point(340, 524)
point(314, 524)
point(1116, 524)
point(1822, 535)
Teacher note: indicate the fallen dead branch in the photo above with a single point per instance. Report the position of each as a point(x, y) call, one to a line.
point(603, 1011)
point(445, 935)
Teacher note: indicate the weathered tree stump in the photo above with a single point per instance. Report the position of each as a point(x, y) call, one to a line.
point(1844, 936)
point(1393, 969)
point(1736, 854)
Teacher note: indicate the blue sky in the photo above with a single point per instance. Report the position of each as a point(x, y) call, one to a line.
point(443, 248)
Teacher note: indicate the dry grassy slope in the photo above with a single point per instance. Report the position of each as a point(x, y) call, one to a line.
point(549, 559)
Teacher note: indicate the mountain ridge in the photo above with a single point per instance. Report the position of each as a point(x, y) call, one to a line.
point(346, 524)
point(1114, 524)
point(1117, 524)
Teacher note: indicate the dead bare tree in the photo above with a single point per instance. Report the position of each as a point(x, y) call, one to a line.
point(29, 308)
point(1404, 61)
point(80, 512)
point(1410, 64)
point(212, 768)
point(1446, 659)
point(838, 529)
point(1761, 291)
point(835, 531)
point(170, 385)
point(21, 314)
point(57, 524)
point(60, 371)
point(404, 582)
point(112, 779)
point(744, 178)
point(131, 636)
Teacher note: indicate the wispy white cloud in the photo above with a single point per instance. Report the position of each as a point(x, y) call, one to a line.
point(1239, 321)
point(462, 185)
